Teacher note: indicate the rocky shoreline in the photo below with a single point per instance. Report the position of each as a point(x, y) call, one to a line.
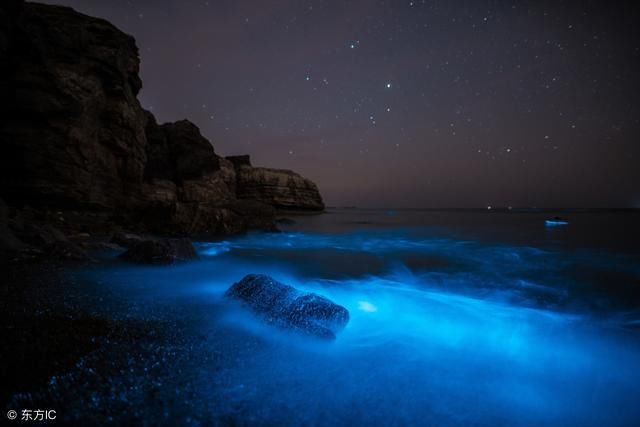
point(84, 169)
point(81, 160)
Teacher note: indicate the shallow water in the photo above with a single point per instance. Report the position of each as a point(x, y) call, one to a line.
point(464, 319)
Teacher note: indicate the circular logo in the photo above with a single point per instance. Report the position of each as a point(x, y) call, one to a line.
point(12, 415)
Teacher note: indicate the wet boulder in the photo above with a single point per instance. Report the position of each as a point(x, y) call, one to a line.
point(287, 307)
point(160, 251)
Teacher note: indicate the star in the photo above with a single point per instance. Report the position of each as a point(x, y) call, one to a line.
point(388, 85)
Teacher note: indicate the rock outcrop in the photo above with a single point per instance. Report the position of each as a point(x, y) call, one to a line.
point(281, 188)
point(177, 151)
point(30, 235)
point(73, 137)
point(70, 123)
point(287, 307)
point(160, 251)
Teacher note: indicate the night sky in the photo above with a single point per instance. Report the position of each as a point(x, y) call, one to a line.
point(405, 103)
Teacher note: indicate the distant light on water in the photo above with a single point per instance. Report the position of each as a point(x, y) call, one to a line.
point(367, 307)
point(555, 222)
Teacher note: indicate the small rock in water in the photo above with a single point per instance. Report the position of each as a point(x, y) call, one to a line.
point(288, 307)
point(160, 251)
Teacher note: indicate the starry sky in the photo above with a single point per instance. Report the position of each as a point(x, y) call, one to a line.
point(405, 103)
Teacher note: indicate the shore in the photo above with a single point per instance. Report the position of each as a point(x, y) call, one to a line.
point(90, 367)
point(439, 316)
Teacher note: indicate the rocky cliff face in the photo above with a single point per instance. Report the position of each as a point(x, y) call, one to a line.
point(73, 136)
point(70, 123)
point(281, 188)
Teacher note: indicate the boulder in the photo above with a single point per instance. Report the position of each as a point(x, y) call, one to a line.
point(287, 307)
point(160, 251)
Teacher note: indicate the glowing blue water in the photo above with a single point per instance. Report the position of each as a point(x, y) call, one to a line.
point(443, 330)
point(555, 223)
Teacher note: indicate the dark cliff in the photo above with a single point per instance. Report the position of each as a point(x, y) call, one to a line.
point(70, 123)
point(73, 136)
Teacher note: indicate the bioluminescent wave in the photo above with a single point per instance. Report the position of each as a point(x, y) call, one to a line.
point(442, 331)
point(530, 275)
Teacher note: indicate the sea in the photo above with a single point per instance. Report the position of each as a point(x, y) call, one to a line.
point(457, 318)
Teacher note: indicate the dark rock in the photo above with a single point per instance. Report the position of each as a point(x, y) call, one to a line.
point(159, 193)
point(243, 160)
point(105, 246)
point(187, 183)
point(193, 218)
point(287, 307)
point(70, 124)
point(255, 215)
point(210, 219)
point(65, 250)
point(159, 164)
point(40, 234)
point(192, 153)
point(160, 251)
point(211, 188)
point(182, 249)
point(126, 239)
point(42, 239)
point(79, 236)
point(177, 151)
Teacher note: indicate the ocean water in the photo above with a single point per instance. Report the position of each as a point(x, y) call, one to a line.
point(457, 318)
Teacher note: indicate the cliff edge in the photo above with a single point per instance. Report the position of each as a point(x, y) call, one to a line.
point(74, 137)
